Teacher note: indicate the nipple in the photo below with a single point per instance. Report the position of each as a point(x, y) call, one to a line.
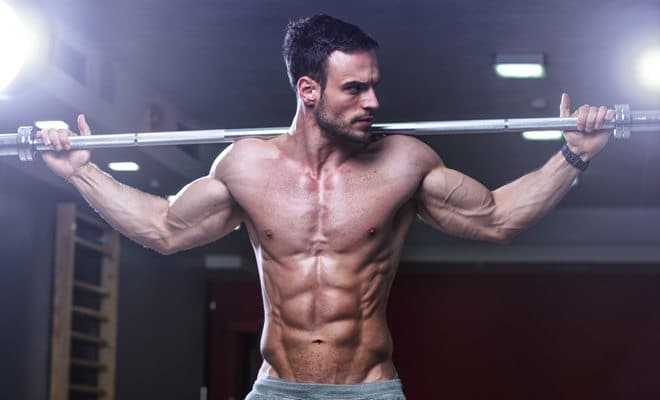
point(269, 233)
point(372, 231)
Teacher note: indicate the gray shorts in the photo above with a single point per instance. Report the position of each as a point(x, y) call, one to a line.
point(274, 389)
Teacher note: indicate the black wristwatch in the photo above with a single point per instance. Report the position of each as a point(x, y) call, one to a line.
point(574, 159)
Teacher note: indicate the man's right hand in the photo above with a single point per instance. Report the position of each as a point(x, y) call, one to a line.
point(65, 163)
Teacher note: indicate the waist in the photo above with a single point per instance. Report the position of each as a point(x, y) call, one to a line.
point(276, 387)
point(328, 358)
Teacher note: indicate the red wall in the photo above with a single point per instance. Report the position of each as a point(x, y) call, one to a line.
point(491, 336)
point(527, 336)
point(237, 311)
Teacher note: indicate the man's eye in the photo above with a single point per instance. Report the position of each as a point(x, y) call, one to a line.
point(354, 89)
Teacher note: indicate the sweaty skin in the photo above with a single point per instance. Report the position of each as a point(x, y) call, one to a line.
point(327, 208)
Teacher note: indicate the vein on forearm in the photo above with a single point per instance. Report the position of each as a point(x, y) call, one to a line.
point(139, 216)
point(524, 201)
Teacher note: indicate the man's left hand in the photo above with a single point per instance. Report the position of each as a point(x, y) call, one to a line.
point(589, 138)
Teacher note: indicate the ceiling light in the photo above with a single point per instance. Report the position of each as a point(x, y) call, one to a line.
point(51, 125)
point(542, 135)
point(124, 166)
point(649, 68)
point(520, 66)
point(15, 43)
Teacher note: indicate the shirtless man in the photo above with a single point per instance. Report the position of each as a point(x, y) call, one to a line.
point(327, 207)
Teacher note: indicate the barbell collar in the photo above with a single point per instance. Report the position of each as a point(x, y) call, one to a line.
point(622, 121)
point(25, 144)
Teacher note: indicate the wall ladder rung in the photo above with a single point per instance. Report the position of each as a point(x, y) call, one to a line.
point(91, 245)
point(92, 221)
point(91, 288)
point(89, 312)
point(88, 338)
point(87, 389)
point(81, 362)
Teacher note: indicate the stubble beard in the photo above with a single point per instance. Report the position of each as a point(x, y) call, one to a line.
point(338, 130)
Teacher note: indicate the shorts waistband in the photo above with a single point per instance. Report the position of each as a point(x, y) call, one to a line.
point(270, 386)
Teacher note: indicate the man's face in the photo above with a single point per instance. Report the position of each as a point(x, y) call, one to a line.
point(348, 102)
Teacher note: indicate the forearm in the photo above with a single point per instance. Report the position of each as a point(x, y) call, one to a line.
point(461, 206)
point(137, 215)
point(522, 203)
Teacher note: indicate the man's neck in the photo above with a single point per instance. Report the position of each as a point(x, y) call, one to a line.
point(315, 148)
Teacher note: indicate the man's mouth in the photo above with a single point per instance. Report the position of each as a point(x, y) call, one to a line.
point(367, 120)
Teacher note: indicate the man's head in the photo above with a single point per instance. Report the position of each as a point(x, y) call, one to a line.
point(333, 69)
point(309, 41)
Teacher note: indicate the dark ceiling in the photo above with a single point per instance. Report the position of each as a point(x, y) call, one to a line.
point(220, 62)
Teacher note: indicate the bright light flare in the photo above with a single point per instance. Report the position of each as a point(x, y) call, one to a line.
point(51, 125)
point(124, 166)
point(520, 71)
point(15, 45)
point(542, 135)
point(649, 68)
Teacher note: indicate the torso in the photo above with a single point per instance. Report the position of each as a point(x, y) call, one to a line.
point(327, 249)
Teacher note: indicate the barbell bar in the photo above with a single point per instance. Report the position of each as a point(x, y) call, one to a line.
point(625, 121)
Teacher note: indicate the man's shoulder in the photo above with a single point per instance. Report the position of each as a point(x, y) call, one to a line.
point(399, 142)
point(243, 153)
point(410, 148)
point(253, 147)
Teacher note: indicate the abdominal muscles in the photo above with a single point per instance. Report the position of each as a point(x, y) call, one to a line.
point(325, 319)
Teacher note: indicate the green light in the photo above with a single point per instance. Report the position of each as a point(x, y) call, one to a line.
point(542, 135)
point(520, 71)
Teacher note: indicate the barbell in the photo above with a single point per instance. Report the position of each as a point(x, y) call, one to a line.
point(625, 121)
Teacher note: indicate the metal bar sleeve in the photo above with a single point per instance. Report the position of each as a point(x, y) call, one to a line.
point(8, 146)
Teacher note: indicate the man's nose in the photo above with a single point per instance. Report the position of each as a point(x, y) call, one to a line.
point(370, 100)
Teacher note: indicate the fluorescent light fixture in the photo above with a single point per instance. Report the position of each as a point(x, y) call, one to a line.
point(520, 66)
point(124, 166)
point(542, 135)
point(15, 45)
point(51, 125)
point(520, 71)
point(649, 68)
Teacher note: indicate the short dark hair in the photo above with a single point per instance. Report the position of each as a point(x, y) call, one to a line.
point(309, 41)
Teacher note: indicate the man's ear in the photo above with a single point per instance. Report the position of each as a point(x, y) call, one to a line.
point(309, 91)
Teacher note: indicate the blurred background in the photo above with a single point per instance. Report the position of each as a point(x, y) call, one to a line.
point(568, 310)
